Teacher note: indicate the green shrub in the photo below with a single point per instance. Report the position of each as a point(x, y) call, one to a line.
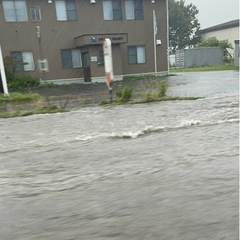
point(21, 83)
point(162, 89)
point(124, 94)
point(150, 97)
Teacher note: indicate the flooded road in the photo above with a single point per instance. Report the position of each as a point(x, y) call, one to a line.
point(166, 170)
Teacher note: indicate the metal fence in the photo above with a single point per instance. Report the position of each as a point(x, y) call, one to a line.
point(237, 53)
point(199, 57)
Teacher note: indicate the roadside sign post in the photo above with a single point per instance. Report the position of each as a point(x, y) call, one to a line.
point(3, 75)
point(107, 50)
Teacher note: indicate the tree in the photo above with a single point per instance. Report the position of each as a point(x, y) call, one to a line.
point(214, 42)
point(10, 64)
point(184, 28)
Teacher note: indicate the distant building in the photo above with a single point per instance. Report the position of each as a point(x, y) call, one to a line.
point(72, 34)
point(228, 30)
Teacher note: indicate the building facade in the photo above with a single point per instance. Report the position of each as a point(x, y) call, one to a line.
point(225, 31)
point(70, 35)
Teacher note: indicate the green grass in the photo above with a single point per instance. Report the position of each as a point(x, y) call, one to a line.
point(150, 100)
point(145, 77)
point(225, 66)
point(19, 97)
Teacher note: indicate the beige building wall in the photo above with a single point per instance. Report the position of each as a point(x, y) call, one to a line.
point(231, 34)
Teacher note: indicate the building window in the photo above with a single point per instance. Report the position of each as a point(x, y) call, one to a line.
point(134, 9)
point(66, 10)
point(100, 58)
point(36, 13)
point(24, 59)
point(15, 11)
point(71, 58)
point(136, 54)
point(112, 10)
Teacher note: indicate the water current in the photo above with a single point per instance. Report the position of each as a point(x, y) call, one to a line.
point(166, 170)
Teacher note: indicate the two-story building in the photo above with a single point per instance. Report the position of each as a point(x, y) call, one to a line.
point(70, 35)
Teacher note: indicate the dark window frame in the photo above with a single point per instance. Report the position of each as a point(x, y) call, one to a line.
point(67, 59)
point(101, 58)
point(19, 56)
point(137, 11)
point(15, 11)
point(138, 8)
point(117, 12)
point(133, 54)
point(33, 11)
point(71, 13)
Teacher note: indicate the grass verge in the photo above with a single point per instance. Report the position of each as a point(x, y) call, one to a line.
point(19, 97)
point(150, 100)
point(226, 66)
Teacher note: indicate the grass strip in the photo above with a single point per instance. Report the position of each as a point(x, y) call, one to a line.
point(19, 97)
point(226, 66)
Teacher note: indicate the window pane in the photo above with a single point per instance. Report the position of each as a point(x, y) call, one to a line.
point(107, 10)
point(71, 10)
point(138, 4)
point(132, 55)
point(9, 11)
point(38, 13)
point(61, 10)
point(117, 9)
point(100, 58)
point(21, 13)
point(138, 14)
point(138, 9)
point(18, 56)
point(132, 51)
point(76, 58)
point(70, 5)
point(141, 54)
point(66, 58)
point(132, 59)
point(28, 58)
point(129, 9)
point(71, 15)
point(35, 13)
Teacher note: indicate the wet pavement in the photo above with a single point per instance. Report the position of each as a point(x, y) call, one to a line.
point(166, 170)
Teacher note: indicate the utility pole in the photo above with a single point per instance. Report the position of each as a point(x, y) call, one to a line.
point(3, 75)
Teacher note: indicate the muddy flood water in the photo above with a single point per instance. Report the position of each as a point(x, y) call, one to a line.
point(166, 170)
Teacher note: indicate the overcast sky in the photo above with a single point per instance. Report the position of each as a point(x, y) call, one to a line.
point(214, 12)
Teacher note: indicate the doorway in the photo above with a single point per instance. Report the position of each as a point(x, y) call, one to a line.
point(86, 67)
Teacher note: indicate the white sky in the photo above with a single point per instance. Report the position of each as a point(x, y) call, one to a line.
point(214, 12)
